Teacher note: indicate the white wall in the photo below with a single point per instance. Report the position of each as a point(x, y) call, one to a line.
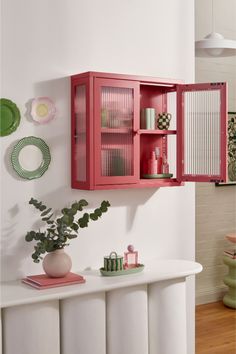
point(44, 43)
point(217, 69)
point(215, 206)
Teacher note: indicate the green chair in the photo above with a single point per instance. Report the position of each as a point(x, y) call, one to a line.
point(230, 280)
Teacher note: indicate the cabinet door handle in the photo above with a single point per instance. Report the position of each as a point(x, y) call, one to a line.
point(137, 131)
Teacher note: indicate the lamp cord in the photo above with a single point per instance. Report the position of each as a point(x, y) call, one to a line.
point(212, 16)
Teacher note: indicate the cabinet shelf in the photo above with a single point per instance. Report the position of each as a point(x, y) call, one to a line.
point(157, 131)
point(164, 182)
point(143, 183)
point(116, 130)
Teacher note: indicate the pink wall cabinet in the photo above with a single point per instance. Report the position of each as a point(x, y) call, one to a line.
point(116, 140)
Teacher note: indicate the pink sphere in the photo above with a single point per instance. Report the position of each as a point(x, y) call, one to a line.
point(130, 248)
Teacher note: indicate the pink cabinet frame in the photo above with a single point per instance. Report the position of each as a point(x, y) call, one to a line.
point(88, 183)
point(193, 150)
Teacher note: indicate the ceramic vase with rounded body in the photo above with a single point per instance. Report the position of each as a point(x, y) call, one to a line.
point(57, 264)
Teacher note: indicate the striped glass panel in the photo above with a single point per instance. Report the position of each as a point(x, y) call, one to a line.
point(116, 131)
point(202, 132)
point(80, 132)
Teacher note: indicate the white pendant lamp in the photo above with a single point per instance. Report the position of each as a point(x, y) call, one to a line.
point(214, 44)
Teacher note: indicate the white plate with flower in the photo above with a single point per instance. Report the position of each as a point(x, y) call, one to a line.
point(43, 109)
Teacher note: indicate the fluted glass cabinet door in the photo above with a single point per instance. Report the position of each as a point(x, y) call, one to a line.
point(202, 132)
point(116, 114)
point(82, 139)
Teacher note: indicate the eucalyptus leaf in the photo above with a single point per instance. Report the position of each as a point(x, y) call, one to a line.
point(35, 255)
point(28, 237)
point(83, 222)
point(71, 236)
point(98, 212)
point(49, 216)
point(83, 202)
point(37, 236)
point(105, 203)
point(74, 226)
point(67, 219)
point(86, 216)
point(93, 216)
point(46, 211)
point(72, 212)
point(75, 206)
point(104, 209)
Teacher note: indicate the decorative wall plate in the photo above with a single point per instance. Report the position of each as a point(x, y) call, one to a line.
point(44, 163)
point(9, 117)
point(232, 146)
point(43, 109)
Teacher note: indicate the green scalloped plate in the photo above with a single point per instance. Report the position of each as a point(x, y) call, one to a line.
point(9, 117)
point(122, 272)
point(42, 146)
point(161, 175)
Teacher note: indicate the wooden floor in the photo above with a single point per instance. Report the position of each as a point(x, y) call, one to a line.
point(215, 329)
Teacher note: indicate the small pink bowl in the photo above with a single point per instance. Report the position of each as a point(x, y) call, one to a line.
point(231, 237)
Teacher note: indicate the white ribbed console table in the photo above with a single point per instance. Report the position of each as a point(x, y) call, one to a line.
point(133, 314)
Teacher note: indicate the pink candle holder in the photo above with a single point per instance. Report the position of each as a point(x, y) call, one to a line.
point(130, 257)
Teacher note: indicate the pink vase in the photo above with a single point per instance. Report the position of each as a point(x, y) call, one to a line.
point(57, 264)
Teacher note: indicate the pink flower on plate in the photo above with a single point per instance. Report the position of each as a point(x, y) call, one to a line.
point(43, 109)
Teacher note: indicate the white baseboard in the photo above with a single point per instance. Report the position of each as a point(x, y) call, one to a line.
point(206, 296)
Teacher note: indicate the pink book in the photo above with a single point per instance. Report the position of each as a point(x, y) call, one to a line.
point(42, 281)
point(37, 286)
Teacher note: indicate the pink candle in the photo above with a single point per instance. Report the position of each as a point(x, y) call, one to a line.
point(130, 257)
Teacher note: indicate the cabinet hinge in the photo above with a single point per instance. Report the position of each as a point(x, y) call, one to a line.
point(217, 83)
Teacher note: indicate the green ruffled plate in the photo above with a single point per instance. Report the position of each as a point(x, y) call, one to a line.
point(42, 146)
point(9, 117)
point(122, 272)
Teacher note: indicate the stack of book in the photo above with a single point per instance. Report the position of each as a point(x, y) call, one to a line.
point(230, 253)
point(42, 281)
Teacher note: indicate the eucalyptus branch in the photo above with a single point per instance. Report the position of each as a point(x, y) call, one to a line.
point(61, 229)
